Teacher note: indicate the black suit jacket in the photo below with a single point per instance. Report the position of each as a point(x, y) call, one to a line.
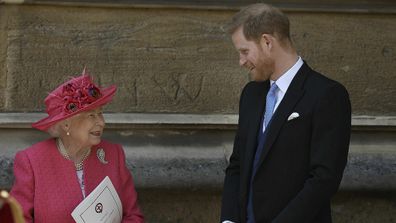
point(303, 159)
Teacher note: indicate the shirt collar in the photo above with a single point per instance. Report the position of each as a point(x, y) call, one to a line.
point(284, 81)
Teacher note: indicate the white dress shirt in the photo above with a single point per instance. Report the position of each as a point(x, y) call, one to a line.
point(283, 83)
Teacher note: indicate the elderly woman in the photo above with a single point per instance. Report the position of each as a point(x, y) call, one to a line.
point(53, 176)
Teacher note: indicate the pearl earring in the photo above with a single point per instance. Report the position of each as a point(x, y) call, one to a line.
point(68, 133)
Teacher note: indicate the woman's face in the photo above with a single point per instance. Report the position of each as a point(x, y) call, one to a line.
point(86, 128)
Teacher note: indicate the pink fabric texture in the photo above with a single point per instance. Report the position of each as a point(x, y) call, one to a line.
point(46, 184)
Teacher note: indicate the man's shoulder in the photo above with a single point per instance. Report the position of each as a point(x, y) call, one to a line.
point(319, 82)
point(254, 86)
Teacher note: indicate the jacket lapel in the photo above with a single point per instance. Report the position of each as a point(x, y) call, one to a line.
point(94, 171)
point(289, 101)
point(255, 115)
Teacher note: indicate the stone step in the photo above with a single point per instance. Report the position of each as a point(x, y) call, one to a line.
point(192, 151)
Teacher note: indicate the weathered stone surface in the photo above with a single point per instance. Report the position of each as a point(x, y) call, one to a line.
point(192, 157)
point(364, 207)
point(370, 171)
point(349, 49)
point(204, 206)
point(181, 61)
point(180, 206)
point(3, 55)
point(174, 61)
point(323, 4)
point(371, 162)
point(6, 173)
point(168, 60)
point(178, 169)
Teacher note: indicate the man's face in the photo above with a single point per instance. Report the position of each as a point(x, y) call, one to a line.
point(253, 56)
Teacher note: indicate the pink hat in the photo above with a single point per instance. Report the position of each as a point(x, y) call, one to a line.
point(75, 96)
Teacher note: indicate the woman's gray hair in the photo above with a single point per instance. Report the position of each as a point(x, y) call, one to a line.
point(55, 130)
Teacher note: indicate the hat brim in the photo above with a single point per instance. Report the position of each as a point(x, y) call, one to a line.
point(48, 121)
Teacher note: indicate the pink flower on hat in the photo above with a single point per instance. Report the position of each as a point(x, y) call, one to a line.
point(76, 95)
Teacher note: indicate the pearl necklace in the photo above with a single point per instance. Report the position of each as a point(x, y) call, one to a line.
point(62, 150)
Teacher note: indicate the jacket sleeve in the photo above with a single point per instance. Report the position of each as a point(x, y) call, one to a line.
point(128, 195)
point(230, 201)
point(230, 206)
point(23, 188)
point(331, 127)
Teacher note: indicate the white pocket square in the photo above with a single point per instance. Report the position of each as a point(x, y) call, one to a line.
point(293, 115)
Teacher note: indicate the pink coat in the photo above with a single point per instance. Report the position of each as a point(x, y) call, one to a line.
point(47, 187)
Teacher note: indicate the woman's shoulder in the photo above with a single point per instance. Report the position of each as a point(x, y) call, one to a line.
point(108, 145)
point(115, 149)
point(39, 147)
point(106, 150)
point(40, 152)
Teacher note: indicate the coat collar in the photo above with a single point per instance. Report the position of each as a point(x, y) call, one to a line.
point(254, 123)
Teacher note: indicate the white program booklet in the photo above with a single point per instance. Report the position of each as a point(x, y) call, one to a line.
point(102, 205)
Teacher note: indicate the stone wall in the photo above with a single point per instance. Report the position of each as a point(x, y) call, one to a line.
point(178, 62)
point(170, 60)
point(197, 206)
point(178, 163)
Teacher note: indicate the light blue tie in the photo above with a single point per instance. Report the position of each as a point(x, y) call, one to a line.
point(269, 109)
point(270, 104)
